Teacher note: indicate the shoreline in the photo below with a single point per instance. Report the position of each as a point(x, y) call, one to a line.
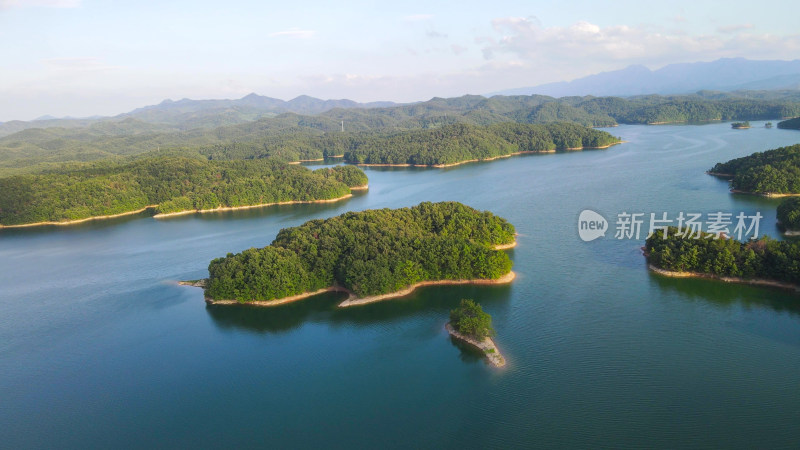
point(505, 246)
point(261, 205)
point(77, 221)
point(299, 161)
point(488, 347)
point(523, 152)
point(786, 231)
point(767, 195)
point(353, 301)
point(680, 122)
point(750, 281)
point(188, 211)
point(718, 174)
point(273, 302)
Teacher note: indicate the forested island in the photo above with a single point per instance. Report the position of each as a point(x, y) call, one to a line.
point(791, 124)
point(788, 216)
point(373, 254)
point(740, 125)
point(773, 173)
point(469, 323)
point(167, 185)
point(763, 262)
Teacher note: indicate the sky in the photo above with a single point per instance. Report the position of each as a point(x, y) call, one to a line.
point(91, 57)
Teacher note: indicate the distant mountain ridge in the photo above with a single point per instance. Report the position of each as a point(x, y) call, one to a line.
point(303, 104)
point(727, 74)
point(187, 114)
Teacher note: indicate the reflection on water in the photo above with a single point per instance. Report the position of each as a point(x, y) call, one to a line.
point(726, 295)
point(430, 300)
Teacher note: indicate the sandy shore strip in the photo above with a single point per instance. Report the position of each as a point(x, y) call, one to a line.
point(487, 346)
point(77, 221)
point(234, 208)
point(274, 302)
point(306, 160)
point(363, 187)
point(526, 152)
point(785, 231)
point(505, 246)
point(719, 174)
point(767, 194)
point(751, 281)
point(355, 301)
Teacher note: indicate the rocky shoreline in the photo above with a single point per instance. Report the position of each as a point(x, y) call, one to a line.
point(487, 346)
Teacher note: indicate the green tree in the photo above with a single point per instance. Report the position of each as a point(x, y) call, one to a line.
point(470, 320)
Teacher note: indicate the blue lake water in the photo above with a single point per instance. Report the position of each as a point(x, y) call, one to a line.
point(99, 347)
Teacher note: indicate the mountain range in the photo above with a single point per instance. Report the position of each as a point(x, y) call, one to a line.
point(727, 74)
point(186, 114)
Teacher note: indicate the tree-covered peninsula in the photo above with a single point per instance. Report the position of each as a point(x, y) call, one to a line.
point(471, 324)
point(459, 143)
point(367, 253)
point(167, 184)
point(763, 261)
point(791, 124)
point(771, 173)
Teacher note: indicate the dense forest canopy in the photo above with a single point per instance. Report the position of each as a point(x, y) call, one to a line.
point(237, 133)
point(771, 172)
point(764, 258)
point(172, 183)
point(788, 214)
point(457, 143)
point(368, 252)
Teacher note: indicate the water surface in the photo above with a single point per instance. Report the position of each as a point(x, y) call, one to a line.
point(100, 348)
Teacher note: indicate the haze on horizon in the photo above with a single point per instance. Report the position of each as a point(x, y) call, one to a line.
point(89, 57)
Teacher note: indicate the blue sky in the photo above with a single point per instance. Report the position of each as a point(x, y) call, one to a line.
point(84, 57)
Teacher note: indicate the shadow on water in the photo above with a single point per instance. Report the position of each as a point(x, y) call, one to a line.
point(90, 225)
point(297, 210)
point(432, 300)
point(467, 353)
point(277, 319)
point(725, 295)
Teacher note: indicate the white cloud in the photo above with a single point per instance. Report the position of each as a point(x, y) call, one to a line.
point(458, 49)
point(435, 34)
point(584, 43)
point(418, 17)
point(39, 3)
point(294, 33)
point(735, 28)
point(77, 64)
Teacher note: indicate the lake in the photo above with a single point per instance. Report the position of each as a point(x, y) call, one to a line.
point(99, 347)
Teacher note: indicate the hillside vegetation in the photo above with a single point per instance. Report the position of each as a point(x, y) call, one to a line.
point(369, 252)
point(171, 183)
point(771, 172)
